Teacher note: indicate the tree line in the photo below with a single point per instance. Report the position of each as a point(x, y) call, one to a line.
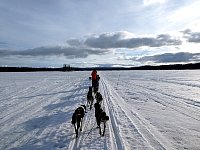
point(68, 68)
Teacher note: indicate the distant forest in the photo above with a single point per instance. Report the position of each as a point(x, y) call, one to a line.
point(68, 68)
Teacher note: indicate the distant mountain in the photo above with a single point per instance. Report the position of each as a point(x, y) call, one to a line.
point(161, 67)
point(169, 67)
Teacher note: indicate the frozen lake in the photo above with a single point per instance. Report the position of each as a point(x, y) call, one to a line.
point(147, 110)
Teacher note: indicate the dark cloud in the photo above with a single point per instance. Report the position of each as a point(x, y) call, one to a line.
point(117, 41)
point(193, 37)
point(106, 40)
point(101, 44)
point(96, 45)
point(3, 44)
point(69, 52)
point(186, 31)
point(171, 58)
point(74, 43)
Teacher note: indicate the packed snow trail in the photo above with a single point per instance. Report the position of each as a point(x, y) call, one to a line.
point(165, 102)
point(130, 130)
point(146, 109)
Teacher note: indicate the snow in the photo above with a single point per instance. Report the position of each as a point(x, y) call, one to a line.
point(147, 110)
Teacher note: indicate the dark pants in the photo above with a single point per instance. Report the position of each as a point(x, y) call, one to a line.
point(94, 82)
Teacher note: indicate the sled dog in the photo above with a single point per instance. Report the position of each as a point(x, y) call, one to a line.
point(77, 118)
point(90, 98)
point(101, 118)
point(99, 97)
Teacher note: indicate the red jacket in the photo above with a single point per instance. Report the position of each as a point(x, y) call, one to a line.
point(94, 75)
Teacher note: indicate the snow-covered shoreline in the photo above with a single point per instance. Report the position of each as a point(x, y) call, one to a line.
point(147, 109)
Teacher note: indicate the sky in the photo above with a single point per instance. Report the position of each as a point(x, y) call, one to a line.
point(99, 33)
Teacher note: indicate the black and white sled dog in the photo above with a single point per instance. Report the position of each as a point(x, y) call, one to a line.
point(101, 118)
point(90, 98)
point(99, 97)
point(96, 87)
point(77, 118)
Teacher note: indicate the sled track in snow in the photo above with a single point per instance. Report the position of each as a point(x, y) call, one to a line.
point(178, 104)
point(31, 109)
point(23, 107)
point(116, 141)
point(10, 100)
point(145, 136)
point(89, 137)
point(190, 102)
point(26, 110)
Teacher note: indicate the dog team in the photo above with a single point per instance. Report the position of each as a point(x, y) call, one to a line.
point(100, 114)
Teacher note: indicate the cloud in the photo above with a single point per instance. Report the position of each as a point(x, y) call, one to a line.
point(69, 52)
point(193, 37)
point(170, 58)
point(186, 31)
point(185, 13)
point(96, 45)
point(74, 43)
point(117, 40)
point(153, 2)
point(3, 44)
